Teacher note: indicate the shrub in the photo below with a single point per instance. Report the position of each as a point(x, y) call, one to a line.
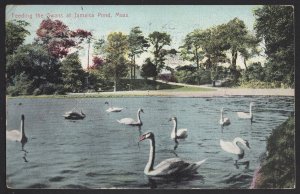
point(21, 86)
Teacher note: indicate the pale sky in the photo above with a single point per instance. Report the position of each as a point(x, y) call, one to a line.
point(177, 20)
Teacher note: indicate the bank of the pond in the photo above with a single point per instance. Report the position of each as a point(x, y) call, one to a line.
point(203, 92)
point(277, 169)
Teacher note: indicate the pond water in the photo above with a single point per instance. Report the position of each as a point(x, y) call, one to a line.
point(98, 152)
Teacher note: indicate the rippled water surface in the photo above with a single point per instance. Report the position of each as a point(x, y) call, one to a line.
point(98, 152)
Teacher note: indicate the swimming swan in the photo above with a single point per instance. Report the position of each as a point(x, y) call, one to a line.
point(177, 133)
point(234, 148)
point(18, 135)
point(73, 115)
point(130, 121)
point(113, 109)
point(224, 121)
point(245, 115)
point(168, 167)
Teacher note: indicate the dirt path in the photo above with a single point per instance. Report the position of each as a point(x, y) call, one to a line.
point(217, 92)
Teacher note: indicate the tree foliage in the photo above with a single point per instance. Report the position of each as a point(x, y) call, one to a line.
point(73, 75)
point(237, 39)
point(137, 45)
point(148, 69)
point(159, 40)
point(15, 35)
point(116, 48)
point(59, 38)
point(98, 62)
point(275, 26)
point(34, 62)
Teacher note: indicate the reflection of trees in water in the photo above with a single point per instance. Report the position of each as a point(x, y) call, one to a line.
point(154, 182)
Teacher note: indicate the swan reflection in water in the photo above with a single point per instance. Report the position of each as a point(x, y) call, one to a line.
point(155, 182)
point(176, 144)
point(242, 163)
point(25, 155)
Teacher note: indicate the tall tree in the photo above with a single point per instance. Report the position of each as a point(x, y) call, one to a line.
point(72, 73)
point(159, 40)
point(59, 38)
point(137, 45)
point(275, 25)
point(15, 34)
point(192, 49)
point(214, 48)
point(236, 36)
point(116, 48)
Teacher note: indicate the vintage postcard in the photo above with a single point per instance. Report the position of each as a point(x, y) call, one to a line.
point(150, 96)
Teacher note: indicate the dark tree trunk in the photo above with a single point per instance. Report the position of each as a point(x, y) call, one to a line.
point(198, 66)
point(233, 65)
point(134, 67)
point(131, 71)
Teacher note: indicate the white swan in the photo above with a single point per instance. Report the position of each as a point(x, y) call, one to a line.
point(234, 148)
point(177, 133)
point(113, 109)
point(224, 121)
point(245, 115)
point(73, 115)
point(17, 135)
point(168, 167)
point(130, 121)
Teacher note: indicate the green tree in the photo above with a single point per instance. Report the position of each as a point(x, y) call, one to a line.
point(236, 36)
point(192, 49)
point(15, 34)
point(73, 75)
point(148, 69)
point(159, 40)
point(214, 47)
point(275, 26)
point(20, 85)
point(255, 71)
point(35, 61)
point(116, 48)
point(137, 45)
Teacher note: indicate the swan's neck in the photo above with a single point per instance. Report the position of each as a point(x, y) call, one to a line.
point(22, 128)
point(139, 117)
point(250, 111)
point(175, 128)
point(150, 163)
point(235, 142)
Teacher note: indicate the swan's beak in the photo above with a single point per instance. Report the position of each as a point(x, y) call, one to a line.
point(247, 145)
point(142, 137)
point(170, 119)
